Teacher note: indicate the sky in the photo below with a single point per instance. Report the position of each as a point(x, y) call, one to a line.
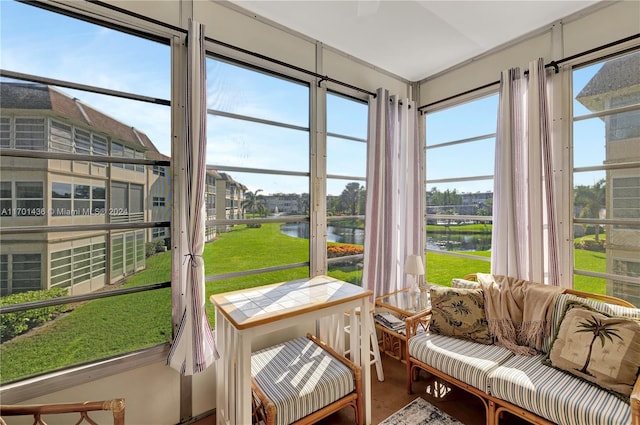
point(38, 42)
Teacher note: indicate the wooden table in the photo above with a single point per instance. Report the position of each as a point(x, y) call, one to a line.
point(413, 308)
point(241, 315)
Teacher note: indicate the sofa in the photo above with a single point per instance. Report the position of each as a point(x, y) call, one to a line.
point(543, 388)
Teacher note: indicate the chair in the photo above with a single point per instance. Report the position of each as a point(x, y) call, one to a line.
point(302, 381)
point(82, 408)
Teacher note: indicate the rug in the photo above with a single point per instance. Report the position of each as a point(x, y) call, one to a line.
point(420, 412)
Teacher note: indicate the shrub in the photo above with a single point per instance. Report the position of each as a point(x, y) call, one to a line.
point(589, 245)
point(149, 249)
point(160, 247)
point(342, 250)
point(14, 324)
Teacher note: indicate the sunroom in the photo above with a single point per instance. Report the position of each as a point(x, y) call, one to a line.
point(287, 109)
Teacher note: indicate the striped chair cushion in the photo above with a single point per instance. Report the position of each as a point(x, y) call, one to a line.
point(561, 303)
point(300, 378)
point(468, 361)
point(557, 396)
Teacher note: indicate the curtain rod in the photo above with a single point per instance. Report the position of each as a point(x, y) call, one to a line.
point(290, 66)
point(232, 47)
point(553, 64)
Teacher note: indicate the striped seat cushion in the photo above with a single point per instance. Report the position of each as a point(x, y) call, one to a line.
point(557, 396)
point(468, 361)
point(300, 378)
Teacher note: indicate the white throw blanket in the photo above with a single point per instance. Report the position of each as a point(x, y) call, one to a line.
point(518, 311)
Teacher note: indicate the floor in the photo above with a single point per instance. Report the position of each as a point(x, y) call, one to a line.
point(391, 394)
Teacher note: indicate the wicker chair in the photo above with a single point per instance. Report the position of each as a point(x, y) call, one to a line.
point(306, 375)
point(116, 406)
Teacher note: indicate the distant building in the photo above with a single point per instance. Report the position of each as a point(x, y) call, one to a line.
point(54, 192)
point(42, 192)
point(285, 203)
point(223, 199)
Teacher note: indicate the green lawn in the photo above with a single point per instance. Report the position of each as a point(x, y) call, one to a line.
point(112, 326)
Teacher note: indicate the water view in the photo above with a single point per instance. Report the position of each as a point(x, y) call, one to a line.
point(442, 241)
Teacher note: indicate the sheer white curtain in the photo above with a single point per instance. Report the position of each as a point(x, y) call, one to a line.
point(394, 227)
point(525, 236)
point(194, 347)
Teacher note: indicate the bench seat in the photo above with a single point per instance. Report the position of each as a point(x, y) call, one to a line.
point(467, 361)
point(555, 395)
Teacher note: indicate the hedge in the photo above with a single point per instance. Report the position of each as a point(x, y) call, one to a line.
point(14, 324)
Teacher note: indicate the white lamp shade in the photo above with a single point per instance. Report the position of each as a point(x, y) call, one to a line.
point(413, 265)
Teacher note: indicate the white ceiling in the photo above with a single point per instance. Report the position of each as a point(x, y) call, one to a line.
point(414, 38)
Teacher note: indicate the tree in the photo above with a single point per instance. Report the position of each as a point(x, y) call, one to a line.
point(601, 330)
point(252, 200)
point(350, 198)
point(592, 199)
point(448, 197)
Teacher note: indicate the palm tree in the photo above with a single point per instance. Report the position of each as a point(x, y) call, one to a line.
point(252, 200)
point(592, 199)
point(604, 331)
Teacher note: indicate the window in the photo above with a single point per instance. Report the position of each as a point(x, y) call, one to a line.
point(29, 199)
point(61, 199)
point(158, 233)
point(61, 268)
point(83, 142)
point(19, 273)
point(6, 199)
point(101, 109)
point(460, 146)
point(77, 199)
point(5, 132)
point(606, 180)
point(126, 202)
point(98, 197)
point(60, 139)
point(29, 133)
point(158, 201)
point(258, 167)
point(347, 126)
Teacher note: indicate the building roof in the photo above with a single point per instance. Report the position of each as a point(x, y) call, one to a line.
point(39, 97)
point(616, 77)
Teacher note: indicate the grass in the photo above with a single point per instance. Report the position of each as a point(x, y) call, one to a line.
point(104, 328)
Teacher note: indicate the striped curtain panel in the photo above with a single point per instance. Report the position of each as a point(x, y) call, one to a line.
point(394, 227)
point(525, 241)
point(193, 348)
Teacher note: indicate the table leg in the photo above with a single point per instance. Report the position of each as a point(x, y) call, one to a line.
point(243, 373)
point(222, 378)
point(365, 360)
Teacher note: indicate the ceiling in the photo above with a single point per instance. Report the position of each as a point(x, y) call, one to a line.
point(414, 39)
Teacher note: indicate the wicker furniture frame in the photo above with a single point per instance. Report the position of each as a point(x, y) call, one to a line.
point(116, 406)
point(495, 407)
point(265, 409)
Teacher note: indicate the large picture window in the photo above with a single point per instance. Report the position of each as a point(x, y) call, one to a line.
point(257, 177)
point(347, 125)
point(90, 230)
point(606, 178)
point(460, 148)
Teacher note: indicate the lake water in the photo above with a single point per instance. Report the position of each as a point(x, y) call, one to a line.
point(439, 241)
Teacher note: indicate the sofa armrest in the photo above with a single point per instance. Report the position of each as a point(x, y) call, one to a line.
point(412, 322)
point(635, 403)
